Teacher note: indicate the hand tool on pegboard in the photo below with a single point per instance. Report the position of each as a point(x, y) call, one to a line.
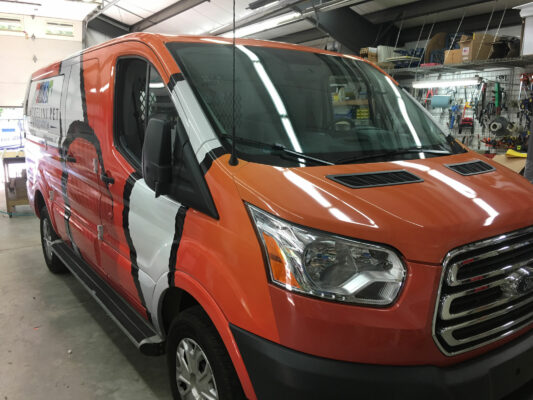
point(525, 81)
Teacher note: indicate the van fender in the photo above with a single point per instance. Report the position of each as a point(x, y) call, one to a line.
point(42, 186)
point(201, 295)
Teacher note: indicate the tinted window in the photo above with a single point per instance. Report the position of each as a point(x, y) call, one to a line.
point(329, 107)
point(140, 95)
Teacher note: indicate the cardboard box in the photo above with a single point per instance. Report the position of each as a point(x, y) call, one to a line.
point(385, 52)
point(517, 164)
point(438, 41)
point(370, 53)
point(453, 56)
point(475, 48)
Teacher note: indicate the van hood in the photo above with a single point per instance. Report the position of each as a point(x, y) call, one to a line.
point(423, 220)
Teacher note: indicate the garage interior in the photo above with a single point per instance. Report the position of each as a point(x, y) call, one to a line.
point(56, 340)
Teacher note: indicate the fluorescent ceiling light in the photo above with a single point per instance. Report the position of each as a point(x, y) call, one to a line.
point(445, 83)
point(254, 5)
point(262, 26)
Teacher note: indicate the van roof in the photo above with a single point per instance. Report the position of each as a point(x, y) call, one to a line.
point(156, 40)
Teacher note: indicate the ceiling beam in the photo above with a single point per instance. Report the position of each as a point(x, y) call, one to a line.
point(302, 36)
point(470, 24)
point(418, 9)
point(99, 10)
point(282, 7)
point(165, 13)
point(346, 27)
point(108, 26)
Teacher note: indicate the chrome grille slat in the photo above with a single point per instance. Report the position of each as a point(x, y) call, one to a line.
point(506, 328)
point(448, 299)
point(488, 317)
point(452, 276)
point(486, 292)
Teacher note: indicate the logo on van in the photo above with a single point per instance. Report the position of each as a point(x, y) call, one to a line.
point(43, 92)
point(519, 283)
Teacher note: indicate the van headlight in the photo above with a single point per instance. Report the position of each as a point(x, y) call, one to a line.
point(327, 266)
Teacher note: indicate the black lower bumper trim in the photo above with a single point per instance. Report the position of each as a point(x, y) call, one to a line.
point(278, 373)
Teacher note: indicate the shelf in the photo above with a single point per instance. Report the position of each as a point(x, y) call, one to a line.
point(482, 65)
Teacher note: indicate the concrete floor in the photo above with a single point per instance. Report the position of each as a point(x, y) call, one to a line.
point(57, 343)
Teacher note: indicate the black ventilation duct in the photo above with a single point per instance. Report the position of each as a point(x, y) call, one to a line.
point(374, 179)
point(471, 167)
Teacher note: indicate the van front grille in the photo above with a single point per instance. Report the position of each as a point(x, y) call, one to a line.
point(486, 292)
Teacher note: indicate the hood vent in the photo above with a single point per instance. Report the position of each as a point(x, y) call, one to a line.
point(373, 179)
point(471, 167)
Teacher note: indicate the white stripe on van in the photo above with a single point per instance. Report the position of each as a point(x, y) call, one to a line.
point(194, 120)
point(151, 228)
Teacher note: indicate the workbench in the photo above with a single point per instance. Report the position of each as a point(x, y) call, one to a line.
point(15, 187)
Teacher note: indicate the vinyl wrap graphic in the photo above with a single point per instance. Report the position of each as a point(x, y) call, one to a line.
point(153, 228)
point(78, 129)
point(204, 141)
point(210, 157)
point(128, 187)
point(180, 221)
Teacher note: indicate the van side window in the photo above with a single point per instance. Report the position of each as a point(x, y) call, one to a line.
point(140, 94)
point(159, 102)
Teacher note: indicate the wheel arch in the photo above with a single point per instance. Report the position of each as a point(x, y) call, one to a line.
point(39, 203)
point(187, 293)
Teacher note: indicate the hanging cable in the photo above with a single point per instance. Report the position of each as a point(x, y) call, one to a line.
point(486, 29)
point(501, 20)
point(457, 31)
point(233, 159)
point(398, 36)
point(417, 42)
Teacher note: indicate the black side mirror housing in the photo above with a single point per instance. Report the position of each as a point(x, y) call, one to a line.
point(157, 156)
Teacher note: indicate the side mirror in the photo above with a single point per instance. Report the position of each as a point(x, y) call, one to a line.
point(157, 156)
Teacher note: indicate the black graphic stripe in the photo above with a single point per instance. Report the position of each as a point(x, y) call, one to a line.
point(175, 78)
point(211, 156)
point(128, 188)
point(178, 231)
point(82, 90)
point(77, 130)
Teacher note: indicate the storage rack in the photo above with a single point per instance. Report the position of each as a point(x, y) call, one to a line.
point(479, 65)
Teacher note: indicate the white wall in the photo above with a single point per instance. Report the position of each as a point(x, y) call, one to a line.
point(21, 55)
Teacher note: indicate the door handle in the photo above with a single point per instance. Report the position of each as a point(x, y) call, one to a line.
point(108, 180)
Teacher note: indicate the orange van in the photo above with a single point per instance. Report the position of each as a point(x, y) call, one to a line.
point(288, 225)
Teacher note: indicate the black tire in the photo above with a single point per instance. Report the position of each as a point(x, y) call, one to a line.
point(194, 325)
point(48, 234)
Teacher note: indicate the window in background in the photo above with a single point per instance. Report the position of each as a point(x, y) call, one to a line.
point(11, 128)
point(59, 29)
point(11, 25)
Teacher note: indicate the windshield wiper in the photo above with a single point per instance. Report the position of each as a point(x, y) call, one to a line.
point(277, 147)
point(392, 153)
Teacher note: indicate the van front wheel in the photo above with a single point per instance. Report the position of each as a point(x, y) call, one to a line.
point(198, 363)
point(48, 236)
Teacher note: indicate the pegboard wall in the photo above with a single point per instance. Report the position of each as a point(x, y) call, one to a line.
point(509, 80)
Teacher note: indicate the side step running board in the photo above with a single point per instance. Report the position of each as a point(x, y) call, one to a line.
point(134, 326)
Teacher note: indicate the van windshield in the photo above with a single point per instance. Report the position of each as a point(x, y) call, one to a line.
point(333, 109)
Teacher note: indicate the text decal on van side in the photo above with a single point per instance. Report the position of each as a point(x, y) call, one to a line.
point(43, 117)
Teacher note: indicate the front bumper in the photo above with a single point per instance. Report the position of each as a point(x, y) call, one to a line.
point(278, 372)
